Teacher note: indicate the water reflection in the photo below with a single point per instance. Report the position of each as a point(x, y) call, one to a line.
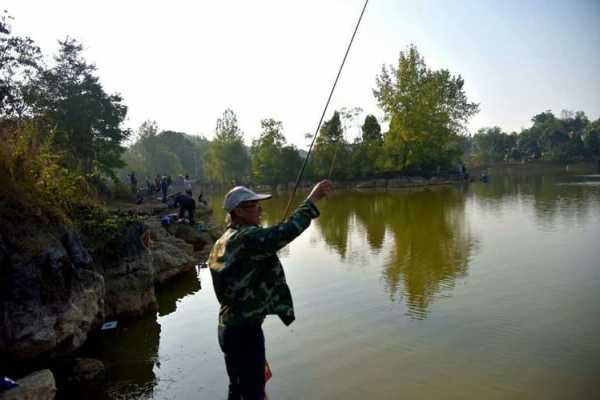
point(334, 222)
point(432, 245)
point(555, 199)
point(431, 242)
point(422, 238)
point(413, 247)
point(130, 352)
point(183, 285)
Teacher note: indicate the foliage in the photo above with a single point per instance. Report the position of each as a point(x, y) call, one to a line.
point(427, 111)
point(367, 158)
point(165, 153)
point(33, 177)
point(266, 152)
point(491, 145)
point(331, 154)
point(591, 139)
point(87, 120)
point(571, 137)
point(227, 160)
point(371, 130)
point(20, 63)
point(103, 229)
point(272, 161)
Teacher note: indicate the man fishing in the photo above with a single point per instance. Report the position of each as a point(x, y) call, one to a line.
point(249, 283)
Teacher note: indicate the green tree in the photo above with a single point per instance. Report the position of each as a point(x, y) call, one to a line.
point(87, 119)
point(491, 145)
point(20, 64)
point(529, 144)
point(371, 130)
point(290, 163)
point(427, 110)
point(331, 150)
point(366, 158)
point(266, 153)
point(148, 129)
point(165, 153)
point(227, 160)
point(591, 139)
point(366, 151)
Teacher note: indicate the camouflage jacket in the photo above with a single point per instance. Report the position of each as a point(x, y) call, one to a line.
point(247, 275)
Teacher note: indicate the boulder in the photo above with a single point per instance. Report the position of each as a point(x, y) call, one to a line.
point(170, 255)
point(418, 181)
point(437, 180)
point(381, 183)
point(203, 210)
point(130, 286)
point(398, 182)
point(129, 275)
point(189, 234)
point(366, 184)
point(48, 303)
point(87, 370)
point(39, 385)
point(79, 255)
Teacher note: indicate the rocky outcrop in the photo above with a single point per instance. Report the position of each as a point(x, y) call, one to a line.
point(86, 370)
point(39, 385)
point(170, 255)
point(203, 211)
point(398, 182)
point(200, 240)
point(372, 184)
point(52, 297)
point(128, 274)
point(49, 300)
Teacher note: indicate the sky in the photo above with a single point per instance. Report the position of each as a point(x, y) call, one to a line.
point(182, 63)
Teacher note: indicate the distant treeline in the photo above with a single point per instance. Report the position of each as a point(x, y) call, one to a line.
point(572, 137)
point(426, 111)
point(59, 128)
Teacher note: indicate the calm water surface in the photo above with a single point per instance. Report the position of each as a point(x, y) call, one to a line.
point(486, 291)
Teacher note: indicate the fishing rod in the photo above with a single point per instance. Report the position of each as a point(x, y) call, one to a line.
point(301, 172)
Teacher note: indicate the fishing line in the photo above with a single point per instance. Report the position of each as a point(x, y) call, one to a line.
point(301, 172)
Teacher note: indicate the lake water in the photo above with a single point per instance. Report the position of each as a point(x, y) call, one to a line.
point(482, 291)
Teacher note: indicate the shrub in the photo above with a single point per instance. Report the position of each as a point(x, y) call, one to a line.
point(33, 179)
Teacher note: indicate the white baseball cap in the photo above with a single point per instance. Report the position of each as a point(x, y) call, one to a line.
point(240, 194)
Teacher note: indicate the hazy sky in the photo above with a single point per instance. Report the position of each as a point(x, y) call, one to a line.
point(182, 63)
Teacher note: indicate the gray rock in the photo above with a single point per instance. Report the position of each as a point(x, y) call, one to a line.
point(203, 210)
point(398, 182)
point(39, 385)
point(78, 254)
point(381, 183)
point(130, 286)
point(170, 255)
point(365, 184)
point(87, 370)
point(48, 306)
point(418, 181)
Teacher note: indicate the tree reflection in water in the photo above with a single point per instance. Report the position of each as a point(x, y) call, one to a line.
point(177, 288)
point(555, 195)
point(130, 352)
point(431, 245)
